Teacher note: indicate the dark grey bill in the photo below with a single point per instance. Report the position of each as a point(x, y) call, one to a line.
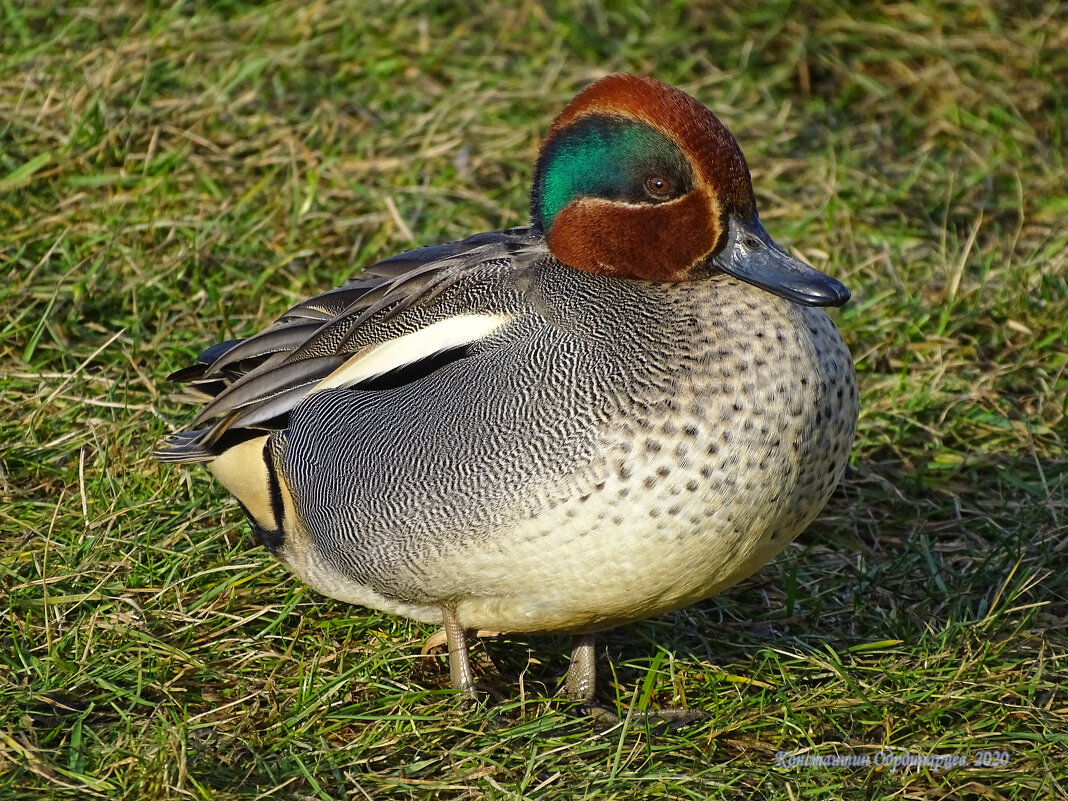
point(750, 255)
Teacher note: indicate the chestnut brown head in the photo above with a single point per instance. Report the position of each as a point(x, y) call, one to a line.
point(638, 180)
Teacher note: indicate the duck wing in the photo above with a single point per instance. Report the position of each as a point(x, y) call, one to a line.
point(401, 318)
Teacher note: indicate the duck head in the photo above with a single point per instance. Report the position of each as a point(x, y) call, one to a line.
point(637, 179)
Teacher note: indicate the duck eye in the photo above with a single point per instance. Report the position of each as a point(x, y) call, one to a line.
point(658, 187)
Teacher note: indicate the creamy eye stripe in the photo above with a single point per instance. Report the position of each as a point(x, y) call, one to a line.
point(444, 335)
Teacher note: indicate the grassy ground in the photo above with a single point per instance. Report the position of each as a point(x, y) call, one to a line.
point(171, 177)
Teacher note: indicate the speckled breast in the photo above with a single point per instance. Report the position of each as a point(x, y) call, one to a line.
point(602, 463)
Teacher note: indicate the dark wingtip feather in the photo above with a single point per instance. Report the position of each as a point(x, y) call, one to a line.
point(218, 350)
point(188, 374)
point(204, 444)
point(184, 447)
point(204, 361)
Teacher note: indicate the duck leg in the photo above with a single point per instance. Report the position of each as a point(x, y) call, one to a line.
point(582, 674)
point(460, 673)
point(581, 682)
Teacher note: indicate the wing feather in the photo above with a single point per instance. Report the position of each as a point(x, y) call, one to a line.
point(401, 311)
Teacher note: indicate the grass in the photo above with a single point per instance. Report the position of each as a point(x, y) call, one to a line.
point(175, 176)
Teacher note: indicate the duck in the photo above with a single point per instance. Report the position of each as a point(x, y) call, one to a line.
point(617, 410)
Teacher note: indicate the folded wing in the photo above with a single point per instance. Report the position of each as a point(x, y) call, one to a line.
point(398, 320)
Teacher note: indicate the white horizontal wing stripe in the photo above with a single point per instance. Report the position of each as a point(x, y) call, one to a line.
point(436, 338)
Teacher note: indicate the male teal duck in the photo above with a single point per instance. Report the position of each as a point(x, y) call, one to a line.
point(618, 410)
